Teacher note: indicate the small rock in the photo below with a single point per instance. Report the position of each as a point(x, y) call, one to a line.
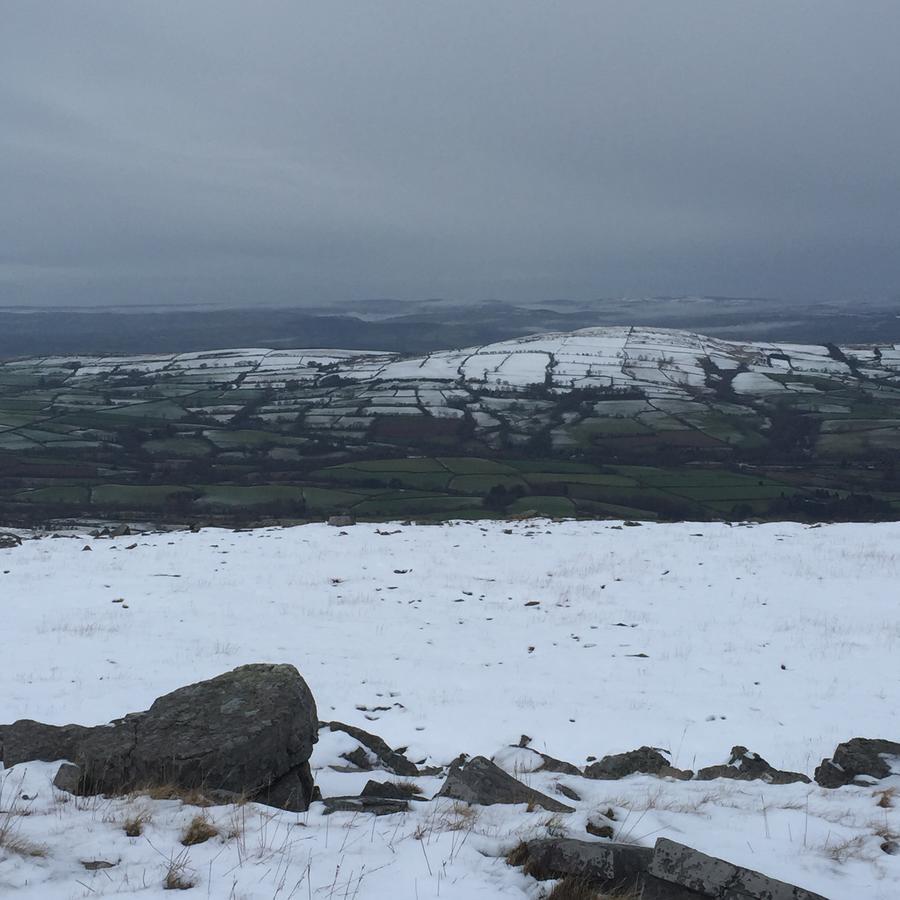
point(599, 829)
point(93, 864)
point(568, 792)
point(68, 778)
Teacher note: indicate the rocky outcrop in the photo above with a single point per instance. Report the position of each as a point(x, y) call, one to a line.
point(9, 540)
point(645, 761)
point(669, 871)
point(859, 758)
point(478, 780)
point(743, 765)
point(249, 733)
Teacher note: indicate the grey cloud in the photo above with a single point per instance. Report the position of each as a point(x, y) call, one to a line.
point(322, 151)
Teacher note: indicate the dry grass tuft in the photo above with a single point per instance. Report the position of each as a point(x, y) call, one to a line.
point(850, 848)
point(188, 796)
point(463, 817)
point(178, 877)
point(134, 826)
point(410, 788)
point(571, 888)
point(21, 846)
point(518, 856)
point(198, 831)
point(10, 819)
point(886, 798)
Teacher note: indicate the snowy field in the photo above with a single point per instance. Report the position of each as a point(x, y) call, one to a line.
point(590, 637)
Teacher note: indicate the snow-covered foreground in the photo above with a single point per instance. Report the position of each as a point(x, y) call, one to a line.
point(590, 637)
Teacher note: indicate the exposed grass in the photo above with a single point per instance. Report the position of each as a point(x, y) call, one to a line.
point(848, 848)
point(410, 788)
point(574, 889)
point(134, 825)
point(178, 876)
point(571, 888)
point(188, 796)
point(198, 831)
point(11, 840)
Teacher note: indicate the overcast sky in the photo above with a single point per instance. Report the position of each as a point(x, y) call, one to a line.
point(270, 152)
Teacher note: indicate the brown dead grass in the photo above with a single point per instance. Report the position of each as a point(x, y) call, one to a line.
point(134, 826)
point(571, 888)
point(198, 831)
point(11, 840)
point(188, 796)
point(178, 877)
point(22, 846)
point(410, 788)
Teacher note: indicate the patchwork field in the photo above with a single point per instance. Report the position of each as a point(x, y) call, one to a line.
point(186, 436)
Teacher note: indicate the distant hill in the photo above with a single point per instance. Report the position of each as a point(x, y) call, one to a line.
point(421, 327)
point(560, 421)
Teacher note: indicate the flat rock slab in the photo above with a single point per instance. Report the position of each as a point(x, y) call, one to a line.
point(606, 865)
point(480, 781)
point(715, 878)
point(389, 791)
point(376, 806)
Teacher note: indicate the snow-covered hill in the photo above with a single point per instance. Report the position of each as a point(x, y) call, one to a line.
point(663, 361)
point(590, 637)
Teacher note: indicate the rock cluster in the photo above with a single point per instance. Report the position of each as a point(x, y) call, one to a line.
point(249, 734)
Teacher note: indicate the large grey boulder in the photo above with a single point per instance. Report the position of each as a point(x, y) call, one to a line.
point(645, 760)
point(9, 540)
point(707, 876)
point(478, 780)
point(859, 757)
point(249, 732)
point(744, 765)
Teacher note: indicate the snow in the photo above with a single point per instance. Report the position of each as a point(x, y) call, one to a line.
point(780, 637)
